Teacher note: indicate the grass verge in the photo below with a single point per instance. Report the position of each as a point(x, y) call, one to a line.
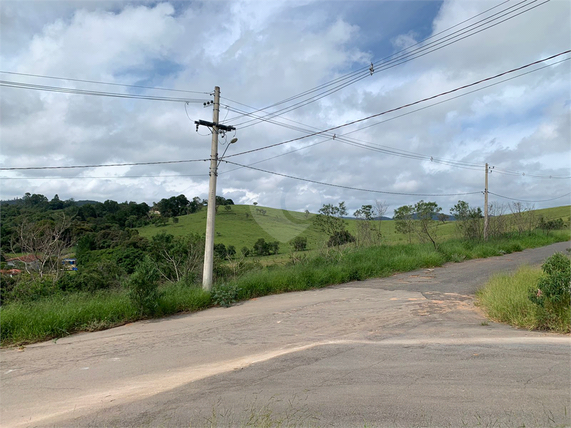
point(64, 314)
point(505, 299)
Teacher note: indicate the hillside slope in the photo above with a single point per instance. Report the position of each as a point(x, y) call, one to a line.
point(243, 225)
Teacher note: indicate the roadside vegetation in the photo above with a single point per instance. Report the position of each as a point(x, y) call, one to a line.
point(532, 298)
point(126, 273)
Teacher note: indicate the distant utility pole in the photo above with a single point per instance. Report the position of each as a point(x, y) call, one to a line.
point(215, 127)
point(486, 206)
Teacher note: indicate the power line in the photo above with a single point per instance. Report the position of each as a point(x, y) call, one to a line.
point(21, 85)
point(307, 180)
point(520, 200)
point(353, 142)
point(365, 70)
point(105, 178)
point(362, 74)
point(103, 83)
point(102, 165)
point(273, 157)
point(396, 152)
point(377, 147)
point(524, 174)
point(403, 106)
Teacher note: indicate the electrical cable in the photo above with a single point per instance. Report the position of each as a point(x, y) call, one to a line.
point(424, 157)
point(273, 157)
point(21, 85)
point(403, 106)
point(102, 165)
point(103, 83)
point(520, 200)
point(103, 177)
point(349, 187)
point(388, 65)
point(366, 69)
point(404, 153)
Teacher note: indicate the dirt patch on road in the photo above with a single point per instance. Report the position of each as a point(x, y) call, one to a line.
point(437, 303)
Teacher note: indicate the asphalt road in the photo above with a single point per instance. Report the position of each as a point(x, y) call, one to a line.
point(411, 350)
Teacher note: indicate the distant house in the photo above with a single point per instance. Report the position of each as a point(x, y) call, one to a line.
point(69, 264)
point(10, 272)
point(29, 262)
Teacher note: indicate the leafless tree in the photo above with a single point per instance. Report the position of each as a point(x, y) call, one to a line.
point(46, 241)
point(381, 208)
point(498, 222)
point(523, 217)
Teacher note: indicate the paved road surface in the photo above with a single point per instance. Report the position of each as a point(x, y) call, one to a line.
point(406, 351)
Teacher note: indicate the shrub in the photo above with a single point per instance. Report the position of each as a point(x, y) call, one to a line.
point(263, 248)
point(340, 238)
point(548, 225)
point(143, 287)
point(220, 250)
point(553, 288)
point(299, 243)
point(7, 284)
point(28, 288)
point(225, 295)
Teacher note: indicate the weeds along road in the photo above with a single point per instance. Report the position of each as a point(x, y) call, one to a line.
point(405, 351)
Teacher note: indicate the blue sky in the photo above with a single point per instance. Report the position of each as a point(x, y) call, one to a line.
point(261, 53)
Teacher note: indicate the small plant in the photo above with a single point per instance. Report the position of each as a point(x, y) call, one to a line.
point(143, 287)
point(225, 295)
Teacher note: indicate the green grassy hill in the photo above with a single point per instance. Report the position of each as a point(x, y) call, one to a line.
point(243, 225)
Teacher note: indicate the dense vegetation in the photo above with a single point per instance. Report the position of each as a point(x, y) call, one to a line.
point(532, 298)
point(137, 261)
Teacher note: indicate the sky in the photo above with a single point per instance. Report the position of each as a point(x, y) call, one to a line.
point(304, 67)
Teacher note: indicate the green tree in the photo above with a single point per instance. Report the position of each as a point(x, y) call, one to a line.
point(299, 243)
point(367, 233)
point(404, 221)
point(143, 287)
point(261, 247)
point(329, 219)
point(56, 203)
point(427, 225)
point(468, 220)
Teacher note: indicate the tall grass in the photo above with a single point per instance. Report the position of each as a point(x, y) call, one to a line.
point(67, 313)
point(64, 314)
point(337, 268)
point(505, 298)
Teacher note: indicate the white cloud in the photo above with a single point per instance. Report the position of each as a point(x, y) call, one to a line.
point(263, 52)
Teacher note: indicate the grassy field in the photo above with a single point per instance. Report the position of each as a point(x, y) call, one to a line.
point(244, 225)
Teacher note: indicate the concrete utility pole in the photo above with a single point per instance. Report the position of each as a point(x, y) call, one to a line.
point(486, 206)
point(211, 210)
